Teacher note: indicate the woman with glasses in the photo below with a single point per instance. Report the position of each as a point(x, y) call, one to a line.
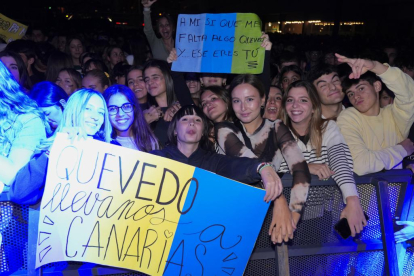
point(130, 129)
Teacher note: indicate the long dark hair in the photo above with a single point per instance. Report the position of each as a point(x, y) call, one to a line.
point(56, 62)
point(46, 94)
point(253, 80)
point(223, 94)
point(166, 72)
point(24, 75)
point(204, 143)
point(142, 135)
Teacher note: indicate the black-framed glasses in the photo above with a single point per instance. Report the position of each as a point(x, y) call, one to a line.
point(126, 107)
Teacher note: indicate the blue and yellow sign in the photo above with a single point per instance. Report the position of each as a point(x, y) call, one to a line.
point(114, 206)
point(219, 43)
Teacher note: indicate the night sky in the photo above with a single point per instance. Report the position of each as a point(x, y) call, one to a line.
point(387, 16)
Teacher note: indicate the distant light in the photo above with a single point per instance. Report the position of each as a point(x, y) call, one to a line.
point(67, 16)
point(270, 24)
point(118, 23)
point(96, 10)
point(109, 19)
point(143, 24)
point(160, 14)
point(50, 8)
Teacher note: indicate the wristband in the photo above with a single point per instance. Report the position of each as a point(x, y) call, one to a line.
point(147, 9)
point(262, 166)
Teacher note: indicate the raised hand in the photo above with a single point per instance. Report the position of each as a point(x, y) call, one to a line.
point(148, 3)
point(360, 66)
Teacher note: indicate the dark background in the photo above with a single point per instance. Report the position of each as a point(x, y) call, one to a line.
point(390, 18)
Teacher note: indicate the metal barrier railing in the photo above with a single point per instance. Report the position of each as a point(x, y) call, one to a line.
point(315, 250)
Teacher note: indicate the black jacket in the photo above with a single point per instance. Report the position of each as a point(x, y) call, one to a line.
point(241, 169)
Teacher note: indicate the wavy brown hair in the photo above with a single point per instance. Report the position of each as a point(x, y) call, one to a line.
point(317, 125)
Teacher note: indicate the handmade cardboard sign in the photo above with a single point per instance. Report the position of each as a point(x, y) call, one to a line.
point(11, 30)
point(119, 207)
point(219, 43)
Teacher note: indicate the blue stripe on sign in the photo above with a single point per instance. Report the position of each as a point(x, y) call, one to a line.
point(220, 43)
point(189, 42)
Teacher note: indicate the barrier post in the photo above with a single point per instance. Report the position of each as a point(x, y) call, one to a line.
point(32, 240)
point(387, 230)
point(282, 260)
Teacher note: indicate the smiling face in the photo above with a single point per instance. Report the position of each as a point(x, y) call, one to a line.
point(273, 104)
point(193, 85)
point(165, 28)
point(93, 115)
point(136, 83)
point(53, 115)
point(11, 64)
point(365, 97)
point(121, 121)
point(116, 56)
point(329, 89)
point(213, 106)
point(65, 81)
point(189, 129)
point(246, 102)
point(288, 78)
point(155, 82)
point(298, 106)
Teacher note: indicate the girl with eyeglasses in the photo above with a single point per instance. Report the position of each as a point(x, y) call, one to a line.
point(129, 126)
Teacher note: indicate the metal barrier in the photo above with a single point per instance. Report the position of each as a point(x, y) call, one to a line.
point(315, 250)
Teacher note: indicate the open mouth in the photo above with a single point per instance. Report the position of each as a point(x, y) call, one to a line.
point(272, 109)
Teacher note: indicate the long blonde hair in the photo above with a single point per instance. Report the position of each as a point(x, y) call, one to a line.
point(73, 116)
point(317, 125)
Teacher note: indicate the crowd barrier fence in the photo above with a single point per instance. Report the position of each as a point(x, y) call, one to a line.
point(315, 250)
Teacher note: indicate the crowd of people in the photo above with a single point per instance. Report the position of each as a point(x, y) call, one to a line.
point(311, 112)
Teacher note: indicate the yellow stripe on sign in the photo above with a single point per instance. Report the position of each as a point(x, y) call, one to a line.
point(248, 54)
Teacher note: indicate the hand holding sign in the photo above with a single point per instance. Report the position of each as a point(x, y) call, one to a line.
point(115, 206)
point(267, 44)
point(220, 43)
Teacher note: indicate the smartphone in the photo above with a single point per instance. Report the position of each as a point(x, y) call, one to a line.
point(342, 227)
